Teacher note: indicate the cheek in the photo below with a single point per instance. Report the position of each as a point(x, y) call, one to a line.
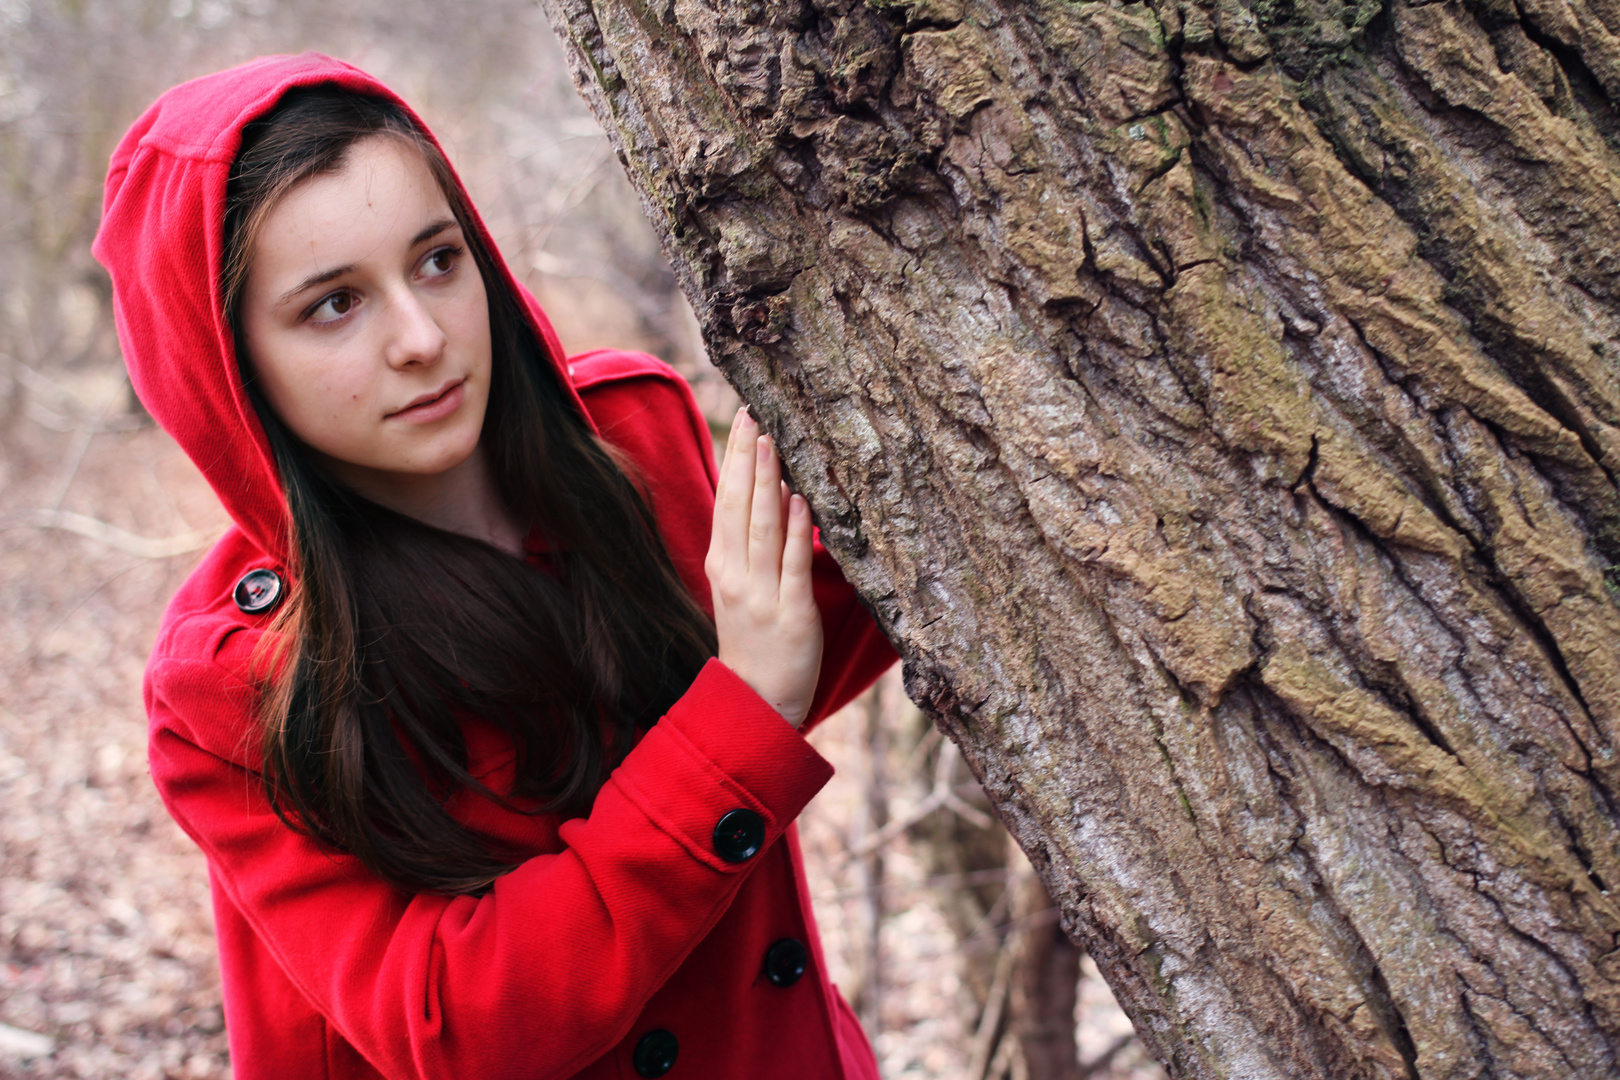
point(480, 335)
point(318, 397)
point(471, 315)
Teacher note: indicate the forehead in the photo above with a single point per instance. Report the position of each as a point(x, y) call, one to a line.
point(371, 207)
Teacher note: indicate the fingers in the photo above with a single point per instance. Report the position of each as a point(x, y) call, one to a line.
point(737, 475)
point(767, 625)
point(797, 554)
point(765, 526)
point(734, 491)
point(754, 517)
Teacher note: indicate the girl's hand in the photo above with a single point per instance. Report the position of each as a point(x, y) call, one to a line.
point(759, 573)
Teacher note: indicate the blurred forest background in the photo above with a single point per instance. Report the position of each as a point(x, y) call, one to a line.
point(935, 928)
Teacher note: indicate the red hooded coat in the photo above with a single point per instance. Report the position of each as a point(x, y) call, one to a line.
point(622, 929)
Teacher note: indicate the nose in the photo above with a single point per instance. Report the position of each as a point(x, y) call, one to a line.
point(415, 336)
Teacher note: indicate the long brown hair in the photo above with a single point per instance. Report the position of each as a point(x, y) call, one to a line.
point(397, 632)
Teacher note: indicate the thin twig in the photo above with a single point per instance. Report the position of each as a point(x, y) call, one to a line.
point(52, 420)
point(1019, 1069)
point(37, 382)
point(874, 840)
point(31, 654)
point(924, 747)
point(969, 944)
point(81, 444)
point(1034, 920)
point(945, 782)
point(647, 305)
point(966, 877)
point(95, 529)
point(943, 795)
point(584, 183)
point(990, 922)
point(995, 1002)
point(1002, 1064)
point(1107, 1058)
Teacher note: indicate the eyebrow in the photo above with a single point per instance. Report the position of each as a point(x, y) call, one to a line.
point(428, 232)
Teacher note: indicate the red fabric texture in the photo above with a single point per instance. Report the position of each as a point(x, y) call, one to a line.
point(619, 923)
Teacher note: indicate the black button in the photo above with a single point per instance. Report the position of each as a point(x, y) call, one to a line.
point(739, 835)
point(655, 1053)
point(785, 961)
point(257, 591)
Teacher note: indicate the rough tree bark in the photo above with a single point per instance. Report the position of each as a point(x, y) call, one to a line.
point(1217, 401)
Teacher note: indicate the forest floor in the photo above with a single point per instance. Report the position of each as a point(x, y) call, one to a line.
point(107, 957)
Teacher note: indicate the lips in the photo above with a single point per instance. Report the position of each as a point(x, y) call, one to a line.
point(433, 406)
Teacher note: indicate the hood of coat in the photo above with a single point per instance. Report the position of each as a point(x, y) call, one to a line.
point(162, 240)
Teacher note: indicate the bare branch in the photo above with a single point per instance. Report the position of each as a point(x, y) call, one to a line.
point(995, 1004)
point(943, 795)
point(111, 535)
point(81, 446)
point(1101, 1065)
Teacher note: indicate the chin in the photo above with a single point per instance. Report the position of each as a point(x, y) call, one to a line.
point(447, 461)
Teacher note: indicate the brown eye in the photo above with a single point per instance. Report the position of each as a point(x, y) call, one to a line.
point(440, 262)
point(331, 308)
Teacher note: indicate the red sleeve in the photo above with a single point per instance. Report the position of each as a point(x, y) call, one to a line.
point(544, 973)
point(643, 406)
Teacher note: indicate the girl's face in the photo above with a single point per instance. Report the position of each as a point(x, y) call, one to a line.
point(366, 323)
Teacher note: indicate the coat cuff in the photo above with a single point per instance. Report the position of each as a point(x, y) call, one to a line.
point(721, 748)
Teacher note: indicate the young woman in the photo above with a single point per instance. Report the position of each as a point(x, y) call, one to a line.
point(491, 782)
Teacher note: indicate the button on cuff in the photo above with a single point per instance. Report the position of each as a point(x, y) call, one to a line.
point(739, 836)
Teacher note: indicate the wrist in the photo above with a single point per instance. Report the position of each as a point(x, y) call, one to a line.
point(792, 713)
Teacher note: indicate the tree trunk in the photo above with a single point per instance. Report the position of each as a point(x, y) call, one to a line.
point(1218, 405)
point(1041, 1009)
